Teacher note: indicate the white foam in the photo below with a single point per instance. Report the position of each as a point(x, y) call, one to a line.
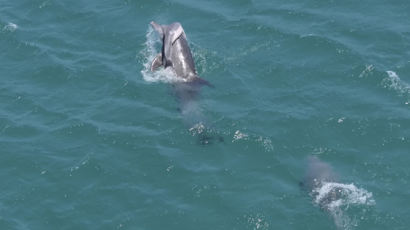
point(266, 142)
point(367, 71)
point(393, 79)
point(257, 221)
point(347, 194)
point(395, 83)
point(238, 136)
point(149, 52)
point(392, 74)
point(197, 129)
point(337, 197)
point(10, 27)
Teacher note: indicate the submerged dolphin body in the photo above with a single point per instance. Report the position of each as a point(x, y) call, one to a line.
point(327, 193)
point(319, 173)
point(176, 54)
point(332, 196)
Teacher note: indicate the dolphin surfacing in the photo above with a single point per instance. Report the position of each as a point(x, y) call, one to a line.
point(332, 196)
point(317, 175)
point(176, 54)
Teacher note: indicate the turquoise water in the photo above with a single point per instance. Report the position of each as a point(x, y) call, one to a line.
point(90, 139)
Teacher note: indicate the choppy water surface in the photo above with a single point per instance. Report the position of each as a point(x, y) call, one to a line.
point(91, 139)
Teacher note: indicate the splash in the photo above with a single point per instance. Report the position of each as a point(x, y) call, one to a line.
point(85, 160)
point(367, 71)
point(197, 129)
point(238, 136)
point(257, 221)
point(151, 48)
point(265, 142)
point(10, 27)
point(394, 82)
point(347, 194)
point(199, 56)
point(336, 198)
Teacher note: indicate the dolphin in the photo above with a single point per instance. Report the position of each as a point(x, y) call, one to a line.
point(327, 193)
point(332, 196)
point(175, 53)
point(319, 173)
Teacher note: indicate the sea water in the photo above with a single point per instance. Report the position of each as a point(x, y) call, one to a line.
point(91, 139)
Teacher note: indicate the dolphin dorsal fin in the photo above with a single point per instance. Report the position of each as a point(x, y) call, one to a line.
point(177, 31)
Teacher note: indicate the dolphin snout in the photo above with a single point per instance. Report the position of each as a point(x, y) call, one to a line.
point(157, 27)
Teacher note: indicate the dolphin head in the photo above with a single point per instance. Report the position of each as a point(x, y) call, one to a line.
point(169, 34)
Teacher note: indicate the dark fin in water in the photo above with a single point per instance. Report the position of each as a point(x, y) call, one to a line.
point(207, 138)
point(157, 62)
point(201, 81)
point(302, 185)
